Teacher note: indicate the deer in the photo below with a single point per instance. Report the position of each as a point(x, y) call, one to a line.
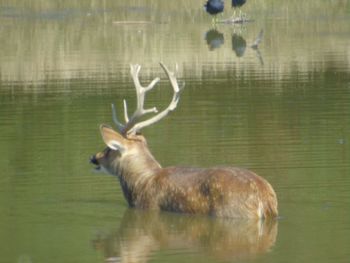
point(223, 191)
point(143, 233)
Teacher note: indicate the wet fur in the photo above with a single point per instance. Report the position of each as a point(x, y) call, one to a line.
point(220, 191)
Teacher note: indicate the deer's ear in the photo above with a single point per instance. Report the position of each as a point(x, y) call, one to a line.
point(112, 139)
point(115, 145)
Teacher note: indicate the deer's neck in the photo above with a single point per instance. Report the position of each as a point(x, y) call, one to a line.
point(135, 172)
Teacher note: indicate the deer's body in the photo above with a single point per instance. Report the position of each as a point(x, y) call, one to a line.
point(218, 191)
point(221, 191)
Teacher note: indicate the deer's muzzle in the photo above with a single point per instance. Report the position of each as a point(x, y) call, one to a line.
point(94, 161)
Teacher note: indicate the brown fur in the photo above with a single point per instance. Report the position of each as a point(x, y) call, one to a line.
point(219, 191)
point(142, 234)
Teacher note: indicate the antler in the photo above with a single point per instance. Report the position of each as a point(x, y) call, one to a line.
point(131, 125)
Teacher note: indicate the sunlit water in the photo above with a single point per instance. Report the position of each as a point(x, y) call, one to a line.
point(282, 110)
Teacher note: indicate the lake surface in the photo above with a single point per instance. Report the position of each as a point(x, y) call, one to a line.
point(282, 110)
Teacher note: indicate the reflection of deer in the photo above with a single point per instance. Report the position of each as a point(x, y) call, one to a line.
point(142, 233)
point(219, 191)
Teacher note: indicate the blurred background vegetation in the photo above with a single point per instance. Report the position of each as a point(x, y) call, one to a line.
point(66, 40)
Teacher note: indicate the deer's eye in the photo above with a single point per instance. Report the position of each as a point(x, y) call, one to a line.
point(107, 151)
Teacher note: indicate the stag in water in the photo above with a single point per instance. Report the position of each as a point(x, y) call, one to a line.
point(219, 191)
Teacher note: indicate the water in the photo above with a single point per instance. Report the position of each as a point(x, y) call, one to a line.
point(282, 110)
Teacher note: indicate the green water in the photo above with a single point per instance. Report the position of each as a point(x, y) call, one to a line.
point(282, 110)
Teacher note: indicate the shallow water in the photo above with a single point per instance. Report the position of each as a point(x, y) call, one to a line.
point(282, 110)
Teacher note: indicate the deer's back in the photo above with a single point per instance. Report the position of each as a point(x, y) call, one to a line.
point(222, 192)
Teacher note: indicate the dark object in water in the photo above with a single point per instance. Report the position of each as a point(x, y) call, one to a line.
point(214, 7)
point(238, 4)
point(214, 39)
point(238, 45)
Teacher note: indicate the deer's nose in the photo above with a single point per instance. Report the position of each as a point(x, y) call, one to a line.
point(93, 160)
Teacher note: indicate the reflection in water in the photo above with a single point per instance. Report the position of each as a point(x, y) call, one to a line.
point(238, 45)
point(258, 39)
point(214, 39)
point(255, 46)
point(289, 120)
point(259, 56)
point(142, 233)
point(16, 12)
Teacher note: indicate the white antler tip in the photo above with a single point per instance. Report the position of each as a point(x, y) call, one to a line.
point(135, 68)
point(132, 125)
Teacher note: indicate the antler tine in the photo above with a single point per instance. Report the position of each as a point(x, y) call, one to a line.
point(126, 116)
point(140, 95)
point(119, 125)
point(131, 126)
point(171, 107)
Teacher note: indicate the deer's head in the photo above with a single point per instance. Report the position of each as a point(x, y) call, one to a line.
point(127, 148)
